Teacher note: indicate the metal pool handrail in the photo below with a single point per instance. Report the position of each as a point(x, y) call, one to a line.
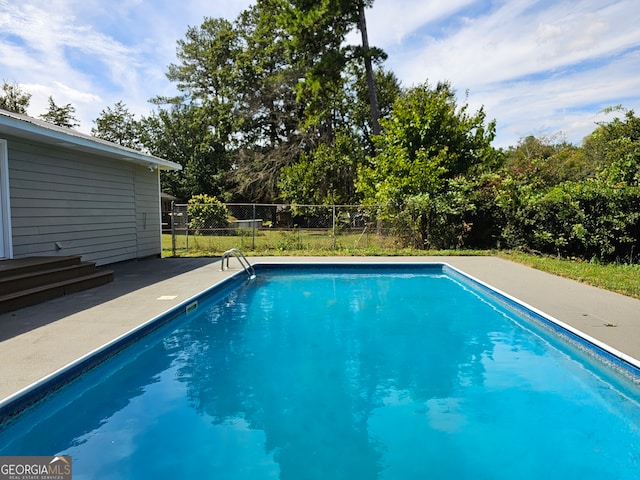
point(248, 268)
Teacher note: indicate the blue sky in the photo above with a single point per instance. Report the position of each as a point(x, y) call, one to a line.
point(544, 68)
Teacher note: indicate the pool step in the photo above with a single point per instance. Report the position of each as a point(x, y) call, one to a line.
point(33, 280)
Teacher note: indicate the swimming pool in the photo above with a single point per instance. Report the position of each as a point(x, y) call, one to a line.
point(344, 371)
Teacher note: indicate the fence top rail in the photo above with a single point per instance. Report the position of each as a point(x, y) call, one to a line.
point(286, 205)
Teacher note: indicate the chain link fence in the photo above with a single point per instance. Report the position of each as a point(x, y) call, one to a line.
point(275, 227)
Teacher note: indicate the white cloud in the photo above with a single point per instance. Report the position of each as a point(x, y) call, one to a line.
point(510, 43)
point(390, 22)
point(535, 65)
point(39, 55)
point(570, 103)
point(93, 53)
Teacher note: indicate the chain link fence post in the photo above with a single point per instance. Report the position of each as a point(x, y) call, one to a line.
point(253, 228)
point(173, 228)
point(334, 227)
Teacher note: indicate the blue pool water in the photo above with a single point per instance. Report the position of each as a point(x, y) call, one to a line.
point(404, 373)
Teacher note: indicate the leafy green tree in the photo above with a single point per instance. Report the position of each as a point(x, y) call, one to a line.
point(183, 134)
point(239, 75)
point(427, 140)
point(522, 161)
point(328, 173)
point(276, 86)
point(426, 143)
point(610, 227)
point(198, 128)
point(485, 220)
point(324, 176)
point(436, 221)
point(269, 137)
point(206, 74)
point(568, 164)
point(589, 219)
point(117, 125)
point(357, 104)
point(542, 162)
point(63, 116)
point(615, 148)
point(13, 98)
point(316, 33)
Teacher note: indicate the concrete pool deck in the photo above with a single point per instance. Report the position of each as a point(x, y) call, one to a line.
point(38, 340)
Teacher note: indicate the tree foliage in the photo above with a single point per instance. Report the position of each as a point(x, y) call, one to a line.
point(236, 80)
point(541, 161)
point(61, 115)
point(427, 140)
point(588, 219)
point(117, 125)
point(183, 135)
point(427, 143)
point(325, 175)
point(274, 86)
point(207, 213)
point(13, 98)
point(615, 148)
point(328, 173)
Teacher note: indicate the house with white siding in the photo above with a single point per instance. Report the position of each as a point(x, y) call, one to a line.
point(66, 193)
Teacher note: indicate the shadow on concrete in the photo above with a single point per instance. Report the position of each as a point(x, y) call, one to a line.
point(129, 277)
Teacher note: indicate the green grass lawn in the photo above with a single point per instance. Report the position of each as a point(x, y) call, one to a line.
point(284, 242)
point(621, 278)
point(297, 243)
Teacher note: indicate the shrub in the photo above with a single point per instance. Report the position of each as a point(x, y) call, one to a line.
point(588, 219)
point(207, 213)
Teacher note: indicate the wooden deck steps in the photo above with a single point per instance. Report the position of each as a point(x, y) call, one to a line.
point(32, 280)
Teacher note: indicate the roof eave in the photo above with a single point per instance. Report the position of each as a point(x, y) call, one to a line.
point(30, 128)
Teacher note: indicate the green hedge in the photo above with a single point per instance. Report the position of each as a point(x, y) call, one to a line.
point(586, 219)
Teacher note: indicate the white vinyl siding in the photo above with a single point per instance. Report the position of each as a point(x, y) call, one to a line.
point(88, 205)
point(147, 212)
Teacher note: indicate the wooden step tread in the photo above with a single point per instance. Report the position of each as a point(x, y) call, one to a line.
point(31, 264)
point(100, 274)
point(33, 279)
point(15, 300)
